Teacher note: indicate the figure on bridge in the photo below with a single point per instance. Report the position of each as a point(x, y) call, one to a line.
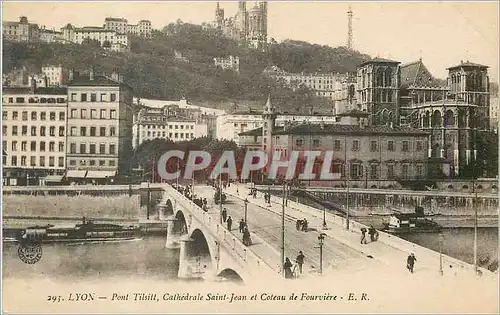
point(242, 225)
point(373, 233)
point(410, 262)
point(247, 241)
point(363, 236)
point(287, 266)
point(224, 215)
point(300, 261)
point(229, 223)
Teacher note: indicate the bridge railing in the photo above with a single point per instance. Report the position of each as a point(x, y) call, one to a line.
point(386, 238)
point(232, 243)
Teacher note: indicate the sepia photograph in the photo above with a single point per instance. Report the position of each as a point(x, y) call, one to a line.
point(250, 157)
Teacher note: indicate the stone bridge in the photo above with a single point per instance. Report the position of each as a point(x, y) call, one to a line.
point(207, 249)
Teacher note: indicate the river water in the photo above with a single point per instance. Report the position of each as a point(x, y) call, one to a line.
point(148, 258)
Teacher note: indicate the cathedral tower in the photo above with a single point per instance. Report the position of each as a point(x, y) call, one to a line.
point(269, 116)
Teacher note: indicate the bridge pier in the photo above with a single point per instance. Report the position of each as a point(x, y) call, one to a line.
point(192, 265)
point(173, 239)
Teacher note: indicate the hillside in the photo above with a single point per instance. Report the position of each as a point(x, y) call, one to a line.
point(153, 71)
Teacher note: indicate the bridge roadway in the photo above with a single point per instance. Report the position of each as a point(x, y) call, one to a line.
point(342, 250)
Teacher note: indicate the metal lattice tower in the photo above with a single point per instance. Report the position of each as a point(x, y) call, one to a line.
point(349, 29)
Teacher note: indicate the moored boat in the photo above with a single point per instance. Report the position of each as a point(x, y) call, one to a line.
point(404, 223)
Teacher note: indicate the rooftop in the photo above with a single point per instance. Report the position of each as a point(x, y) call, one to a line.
point(40, 91)
point(354, 112)
point(258, 131)
point(467, 64)
point(416, 74)
point(379, 60)
point(98, 80)
point(330, 129)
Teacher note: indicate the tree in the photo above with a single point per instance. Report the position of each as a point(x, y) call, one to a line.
point(106, 44)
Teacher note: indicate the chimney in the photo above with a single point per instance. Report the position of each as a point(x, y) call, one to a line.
point(33, 85)
point(71, 75)
point(91, 74)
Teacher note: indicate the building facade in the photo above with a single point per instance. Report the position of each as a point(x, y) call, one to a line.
point(120, 25)
point(21, 31)
point(229, 63)
point(34, 134)
point(54, 74)
point(364, 156)
point(248, 26)
point(100, 118)
point(105, 37)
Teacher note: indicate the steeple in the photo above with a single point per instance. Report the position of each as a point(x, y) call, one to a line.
point(269, 109)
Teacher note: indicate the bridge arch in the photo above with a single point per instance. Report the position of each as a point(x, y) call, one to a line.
point(180, 224)
point(230, 275)
point(197, 251)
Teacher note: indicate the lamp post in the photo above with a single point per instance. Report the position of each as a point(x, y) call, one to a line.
point(440, 253)
point(246, 208)
point(324, 219)
point(283, 230)
point(149, 203)
point(321, 238)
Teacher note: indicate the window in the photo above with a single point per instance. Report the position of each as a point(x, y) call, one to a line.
point(52, 131)
point(52, 115)
point(23, 160)
point(102, 148)
point(33, 146)
point(24, 146)
point(52, 146)
point(92, 162)
point(406, 146)
point(112, 163)
point(113, 97)
point(33, 130)
point(61, 115)
point(373, 146)
point(73, 113)
point(405, 170)
point(102, 162)
point(112, 131)
point(4, 130)
point(102, 114)
point(24, 130)
point(33, 161)
point(72, 148)
point(83, 113)
point(103, 97)
point(316, 142)
point(72, 162)
point(420, 170)
point(419, 145)
point(5, 115)
point(42, 161)
point(51, 161)
point(390, 171)
point(13, 160)
point(112, 114)
point(390, 145)
point(83, 148)
point(33, 115)
point(102, 131)
point(61, 161)
point(43, 116)
point(42, 131)
point(61, 131)
point(299, 142)
point(93, 113)
point(61, 146)
point(83, 97)
point(14, 115)
point(92, 148)
point(356, 171)
point(93, 97)
point(42, 146)
point(92, 131)
point(337, 145)
point(355, 145)
point(73, 97)
point(25, 115)
point(73, 131)
point(14, 145)
point(112, 148)
point(83, 131)
point(373, 171)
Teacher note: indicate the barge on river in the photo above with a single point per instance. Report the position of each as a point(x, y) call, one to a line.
point(405, 223)
point(85, 232)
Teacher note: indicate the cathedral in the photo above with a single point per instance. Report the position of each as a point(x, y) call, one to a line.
point(248, 26)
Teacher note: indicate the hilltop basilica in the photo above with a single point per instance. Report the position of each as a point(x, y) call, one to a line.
point(248, 26)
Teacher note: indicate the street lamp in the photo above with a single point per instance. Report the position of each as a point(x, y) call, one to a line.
point(321, 238)
point(246, 206)
point(324, 219)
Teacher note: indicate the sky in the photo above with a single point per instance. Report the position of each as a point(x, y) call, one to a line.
point(441, 33)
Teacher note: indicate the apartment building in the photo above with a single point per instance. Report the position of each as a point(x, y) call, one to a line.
point(229, 63)
point(120, 25)
point(34, 134)
point(100, 118)
point(54, 74)
point(21, 31)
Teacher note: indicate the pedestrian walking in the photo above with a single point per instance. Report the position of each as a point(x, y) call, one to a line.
point(287, 266)
point(242, 225)
point(300, 261)
point(246, 237)
point(410, 262)
point(363, 236)
point(373, 233)
point(229, 223)
point(224, 215)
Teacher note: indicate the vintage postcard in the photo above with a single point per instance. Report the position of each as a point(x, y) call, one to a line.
point(250, 157)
